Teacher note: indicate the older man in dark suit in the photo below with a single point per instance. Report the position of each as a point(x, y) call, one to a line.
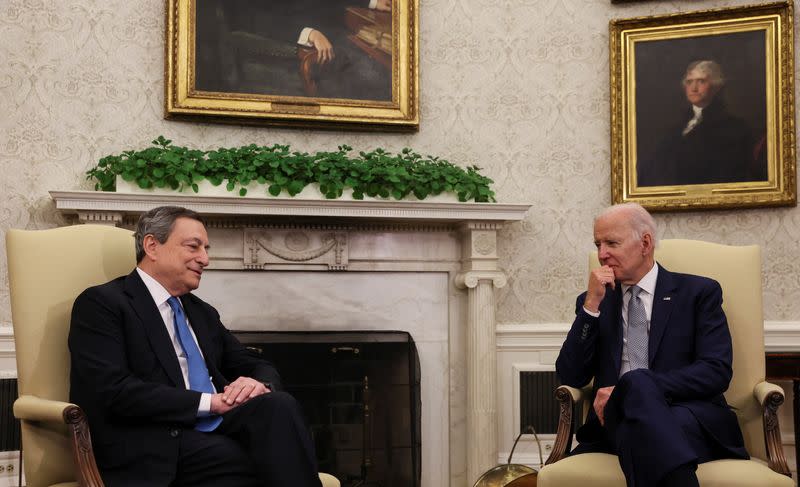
point(173, 399)
point(658, 347)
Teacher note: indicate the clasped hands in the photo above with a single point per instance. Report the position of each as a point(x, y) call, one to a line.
point(236, 393)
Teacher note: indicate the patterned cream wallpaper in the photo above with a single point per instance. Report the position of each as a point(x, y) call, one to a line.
point(519, 87)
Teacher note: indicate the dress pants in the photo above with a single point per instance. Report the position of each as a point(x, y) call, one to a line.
point(264, 442)
point(650, 436)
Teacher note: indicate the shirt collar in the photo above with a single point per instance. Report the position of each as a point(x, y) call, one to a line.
point(647, 282)
point(157, 291)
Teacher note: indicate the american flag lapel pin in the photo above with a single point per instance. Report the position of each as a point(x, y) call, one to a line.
point(667, 298)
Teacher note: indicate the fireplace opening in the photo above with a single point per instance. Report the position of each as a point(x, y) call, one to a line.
point(360, 391)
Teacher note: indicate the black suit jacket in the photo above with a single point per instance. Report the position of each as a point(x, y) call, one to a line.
point(126, 377)
point(690, 353)
point(719, 149)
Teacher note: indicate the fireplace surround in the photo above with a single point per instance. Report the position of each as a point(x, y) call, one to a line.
point(428, 269)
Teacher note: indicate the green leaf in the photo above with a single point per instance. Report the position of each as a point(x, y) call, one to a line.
point(229, 186)
point(242, 191)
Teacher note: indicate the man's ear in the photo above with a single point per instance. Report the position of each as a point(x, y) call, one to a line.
point(647, 244)
point(150, 246)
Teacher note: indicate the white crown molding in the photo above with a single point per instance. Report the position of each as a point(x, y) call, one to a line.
point(89, 202)
point(783, 336)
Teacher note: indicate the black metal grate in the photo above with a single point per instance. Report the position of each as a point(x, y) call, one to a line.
point(9, 425)
point(537, 401)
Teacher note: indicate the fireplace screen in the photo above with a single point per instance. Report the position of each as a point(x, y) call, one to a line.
point(361, 394)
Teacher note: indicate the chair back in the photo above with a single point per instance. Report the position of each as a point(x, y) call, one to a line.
point(47, 269)
point(738, 271)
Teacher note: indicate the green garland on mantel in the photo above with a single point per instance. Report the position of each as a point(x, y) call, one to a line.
point(377, 173)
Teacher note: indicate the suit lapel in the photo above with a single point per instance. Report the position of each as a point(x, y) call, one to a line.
point(662, 309)
point(616, 326)
point(153, 325)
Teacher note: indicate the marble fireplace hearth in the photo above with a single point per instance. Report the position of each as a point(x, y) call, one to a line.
point(429, 269)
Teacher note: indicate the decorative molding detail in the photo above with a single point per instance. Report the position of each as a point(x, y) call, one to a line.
point(95, 204)
point(100, 217)
point(485, 243)
point(470, 279)
point(8, 364)
point(295, 247)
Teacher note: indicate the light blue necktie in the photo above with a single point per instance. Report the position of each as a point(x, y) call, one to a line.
point(637, 331)
point(199, 379)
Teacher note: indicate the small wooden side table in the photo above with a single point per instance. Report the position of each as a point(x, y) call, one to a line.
point(786, 366)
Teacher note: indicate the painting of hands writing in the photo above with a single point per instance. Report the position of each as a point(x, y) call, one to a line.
point(336, 63)
point(702, 109)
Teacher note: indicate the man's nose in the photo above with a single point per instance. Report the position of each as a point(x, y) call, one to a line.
point(203, 258)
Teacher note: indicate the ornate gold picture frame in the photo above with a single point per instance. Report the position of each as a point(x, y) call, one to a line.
point(702, 109)
point(303, 63)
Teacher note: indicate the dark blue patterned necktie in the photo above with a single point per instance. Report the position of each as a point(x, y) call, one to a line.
point(637, 331)
point(199, 379)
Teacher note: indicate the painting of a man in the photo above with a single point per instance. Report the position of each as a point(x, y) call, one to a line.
point(701, 110)
point(710, 144)
point(292, 48)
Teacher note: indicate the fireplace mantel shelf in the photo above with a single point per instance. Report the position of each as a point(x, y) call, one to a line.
point(76, 202)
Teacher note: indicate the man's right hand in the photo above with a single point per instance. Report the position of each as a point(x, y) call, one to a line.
point(600, 401)
point(323, 46)
point(596, 291)
point(219, 405)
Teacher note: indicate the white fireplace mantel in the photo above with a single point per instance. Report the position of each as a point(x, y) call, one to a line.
point(388, 242)
point(100, 207)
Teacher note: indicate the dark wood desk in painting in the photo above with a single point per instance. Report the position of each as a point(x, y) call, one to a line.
point(786, 366)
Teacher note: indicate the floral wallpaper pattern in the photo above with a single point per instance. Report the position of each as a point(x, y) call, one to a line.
point(519, 87)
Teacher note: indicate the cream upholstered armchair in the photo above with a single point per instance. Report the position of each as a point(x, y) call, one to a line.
point(47, 269)
point(738, 270)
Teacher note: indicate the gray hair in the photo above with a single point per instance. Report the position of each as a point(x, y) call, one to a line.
point(159, 222)
point(640, 220)
point(710, 68)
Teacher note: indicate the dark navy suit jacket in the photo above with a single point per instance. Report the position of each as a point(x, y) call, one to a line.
point(690, 353)
point(125, 375)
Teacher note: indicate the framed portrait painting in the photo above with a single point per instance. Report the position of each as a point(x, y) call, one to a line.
point(306, 63)
point(702, 109)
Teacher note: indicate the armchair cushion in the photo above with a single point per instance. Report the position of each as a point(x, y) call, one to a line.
point(602, 470)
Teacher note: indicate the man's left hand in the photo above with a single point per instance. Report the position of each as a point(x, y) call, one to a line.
point(242, 390)
point(600, 401)
point(384, 5)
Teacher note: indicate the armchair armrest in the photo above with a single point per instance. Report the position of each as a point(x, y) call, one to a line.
point(37, 410)
point(567, 397)
point(770, 397)
point(32, 408)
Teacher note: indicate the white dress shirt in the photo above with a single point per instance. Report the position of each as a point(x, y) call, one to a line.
point(160, 296)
